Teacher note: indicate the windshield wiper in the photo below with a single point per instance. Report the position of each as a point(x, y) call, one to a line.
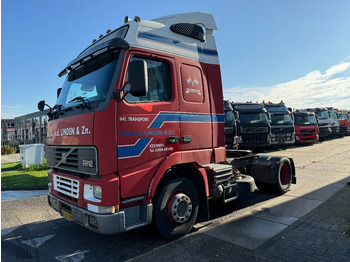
point(86, 102)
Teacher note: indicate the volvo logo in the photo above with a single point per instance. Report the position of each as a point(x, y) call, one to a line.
point(64, 157)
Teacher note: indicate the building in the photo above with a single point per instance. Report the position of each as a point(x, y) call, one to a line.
point(26, 129)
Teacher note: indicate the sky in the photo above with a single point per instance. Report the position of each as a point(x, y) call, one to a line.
point(291, 50)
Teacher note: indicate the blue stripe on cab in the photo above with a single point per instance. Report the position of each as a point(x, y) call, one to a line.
point(133, 150)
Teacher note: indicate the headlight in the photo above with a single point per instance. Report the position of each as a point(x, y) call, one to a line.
point(92, 193)
point(97, 192)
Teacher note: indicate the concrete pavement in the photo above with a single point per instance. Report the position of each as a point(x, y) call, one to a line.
point(10, 158)
point(309, 223)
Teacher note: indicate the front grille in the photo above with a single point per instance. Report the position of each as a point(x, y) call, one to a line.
point(80, 160)
point(254, 129)
point(323, 124)
point(255, 139)
point(66, 186)
point(306, 131)
point(282, 130)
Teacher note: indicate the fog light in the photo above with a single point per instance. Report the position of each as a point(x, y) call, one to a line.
point(93, 221)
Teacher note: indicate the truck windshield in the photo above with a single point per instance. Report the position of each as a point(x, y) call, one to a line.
point(89, 82)
point(305, 120)
point(343, 117)
point(281, 119)
point(333, 115)
point(322, 115)
point(253, 118)
point(229, 118)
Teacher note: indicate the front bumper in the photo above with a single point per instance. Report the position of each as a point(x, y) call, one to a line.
point(109, 224)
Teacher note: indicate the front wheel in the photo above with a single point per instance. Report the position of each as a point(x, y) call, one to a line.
point(176, 208)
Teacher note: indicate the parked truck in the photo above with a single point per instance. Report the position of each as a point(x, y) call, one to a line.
point(323, 120)
point(231, 119)
point(306, 127)
point(137, 132)
point(254, 128)
point(344, 122)
point(333, 117)
point(282, 124)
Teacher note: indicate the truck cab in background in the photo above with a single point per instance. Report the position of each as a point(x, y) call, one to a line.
point(323, 120)
point(306, 127)
point(282, 124)
point(344, 123)
point(254, 128)
point(231, 138)
point(333, 117)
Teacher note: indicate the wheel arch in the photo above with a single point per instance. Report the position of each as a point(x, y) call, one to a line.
point(196, 174)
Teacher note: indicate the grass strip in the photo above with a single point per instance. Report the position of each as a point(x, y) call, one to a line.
point(15, 177)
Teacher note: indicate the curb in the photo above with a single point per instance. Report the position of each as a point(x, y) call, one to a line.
point(24, 188)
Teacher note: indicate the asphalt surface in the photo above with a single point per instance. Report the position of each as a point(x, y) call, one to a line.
point(309, 223)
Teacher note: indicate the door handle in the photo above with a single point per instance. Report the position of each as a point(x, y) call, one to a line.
point(187, 139)
point(173, 139)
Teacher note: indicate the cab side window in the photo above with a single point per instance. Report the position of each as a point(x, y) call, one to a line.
point(159, 82)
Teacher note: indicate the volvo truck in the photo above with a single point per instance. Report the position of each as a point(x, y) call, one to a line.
point(254, 128)
point(333, 117)
point(137, 134)
point(306, 127)
point(282, 124)
point(323, 120)
point(344, 123)
point(231, 119)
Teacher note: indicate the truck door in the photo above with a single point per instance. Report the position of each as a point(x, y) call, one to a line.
point(195, 117)
point(148, 126)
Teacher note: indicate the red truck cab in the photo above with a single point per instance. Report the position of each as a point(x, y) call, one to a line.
point(306, 127)
point(137, 132)
point(344, 123)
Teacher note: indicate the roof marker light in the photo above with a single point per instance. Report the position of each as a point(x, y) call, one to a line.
point(100, 36)
point(108, 31)
point(137, 19)
point(94, 40)
point(127, 19)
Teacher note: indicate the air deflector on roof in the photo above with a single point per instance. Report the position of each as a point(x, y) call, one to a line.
point(187, 29)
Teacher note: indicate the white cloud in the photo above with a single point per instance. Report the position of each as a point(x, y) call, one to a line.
point(11, 111)
point(314, 89)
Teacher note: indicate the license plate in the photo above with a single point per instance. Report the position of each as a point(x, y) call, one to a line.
point(67, 215)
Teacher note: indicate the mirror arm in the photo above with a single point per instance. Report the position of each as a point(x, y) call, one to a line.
point(117, 93)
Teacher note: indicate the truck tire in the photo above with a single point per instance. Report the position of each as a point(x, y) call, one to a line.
point(284, 176)
point(284, 179)
point(176, 208)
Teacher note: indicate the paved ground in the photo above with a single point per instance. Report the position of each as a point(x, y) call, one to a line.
point(10, 158)
point(309, 223)
point(321, 235)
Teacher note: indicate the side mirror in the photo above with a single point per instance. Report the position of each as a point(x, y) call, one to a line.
point(138, 78)
point(41, 105)
point(59, 91)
